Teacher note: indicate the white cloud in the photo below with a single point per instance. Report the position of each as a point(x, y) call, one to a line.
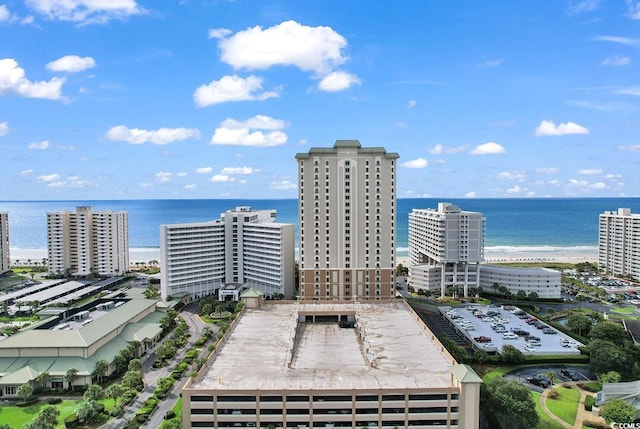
point(634, 9)
point(204, 170)
point(4, 13)
point(231, 88)
point(548, 128)
point(164, 176)
point(87, 11)
point(160, 136)
point(4, 128)
point(613, 176)
point(489, 148)
point(232, 132)
point(238, 170)
point(616, 60)
point(598, 185)
point(415, 163)
point(25, 172)
point(520, 176)
point(282, 185)
point(515, 190)
point(69, 182)
point(49, 177)
point(190, 186)
point(620, 40)
point(338, 81)
point(221, 178)
point(590, 172)
point(317, 49)
point(219, 33)
point(71, 64)
point(412, 104)
point(489, 63)
point(471, 194)
point(440, 149)
point(181, 174)
point(584, 6)
point(39, 145)
point(630, 148)
point(546, 170)
point(12, 79)
point(630, 90)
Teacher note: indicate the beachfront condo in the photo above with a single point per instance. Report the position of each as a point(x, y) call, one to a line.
point(619, 243)
point(347, 219)
point(4, 242)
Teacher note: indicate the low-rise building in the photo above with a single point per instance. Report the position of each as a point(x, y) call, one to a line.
point(543, 281)
point(370, 363)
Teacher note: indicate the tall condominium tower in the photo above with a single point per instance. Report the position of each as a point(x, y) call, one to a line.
point(347, 217)
point(245, 247)
point(85, 242)
point(619, 243)
point(4, 242)
point(446, 247)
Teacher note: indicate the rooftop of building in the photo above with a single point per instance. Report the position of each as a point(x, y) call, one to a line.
point(389, 348)
point(341, 145)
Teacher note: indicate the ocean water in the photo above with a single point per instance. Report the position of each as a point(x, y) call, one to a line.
point(511, 224)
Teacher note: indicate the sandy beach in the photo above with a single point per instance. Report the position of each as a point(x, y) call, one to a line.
point(511, 254)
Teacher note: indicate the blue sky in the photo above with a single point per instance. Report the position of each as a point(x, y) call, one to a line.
point(128, 99)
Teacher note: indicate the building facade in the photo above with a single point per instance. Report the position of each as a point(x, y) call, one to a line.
point(347, 219)
point(85, 242)
point(245, 247)
point(619, 243)
point(543, 281)
point(5, 260)
point(446, 247)
point(315, 364)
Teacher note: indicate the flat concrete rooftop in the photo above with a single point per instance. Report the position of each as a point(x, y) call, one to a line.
point(390, 348)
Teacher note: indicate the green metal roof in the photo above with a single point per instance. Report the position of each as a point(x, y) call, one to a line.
point(465, 374)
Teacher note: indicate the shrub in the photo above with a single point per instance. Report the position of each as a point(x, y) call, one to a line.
point(589, 402)
point(116, 411)
point(132, 424)
point(553, 394)
point(71, 421)
point(53, 401)
point(597, 425)
point(169, 414)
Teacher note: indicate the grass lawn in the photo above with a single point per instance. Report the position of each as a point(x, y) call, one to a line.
point(566, 405)
point(593, 386)
point(18, 416)
point(546, 422)
point(499, 372)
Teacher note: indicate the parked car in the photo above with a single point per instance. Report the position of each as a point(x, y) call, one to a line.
point(549, 331)
point(531, 338)
point(482, 339)
point(539, 380)
point(571, 375)
point(519, 332)
point(510, 336)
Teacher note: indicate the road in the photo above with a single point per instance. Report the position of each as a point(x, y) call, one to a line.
point(151, 375)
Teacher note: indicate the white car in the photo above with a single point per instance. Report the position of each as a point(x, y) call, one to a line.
point(528, 347)
point(509, 336)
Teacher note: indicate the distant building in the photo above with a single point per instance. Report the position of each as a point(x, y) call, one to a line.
point(628, 392)
point(543, 281)
point(349, 364)
point(446, 247)
point(347, 216)
point(5, 260)
point(85, 242)
point(619, 243)
point(244, 247)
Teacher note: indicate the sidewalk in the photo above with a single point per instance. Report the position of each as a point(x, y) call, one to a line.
point(581, 414)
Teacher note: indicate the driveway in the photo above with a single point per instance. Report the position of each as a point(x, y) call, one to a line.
point(521, 374)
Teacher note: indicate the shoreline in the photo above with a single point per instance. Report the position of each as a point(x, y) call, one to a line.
point(496, 254)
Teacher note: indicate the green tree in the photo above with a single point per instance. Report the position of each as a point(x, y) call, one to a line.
point(605, 356)
point(151, 292)
point(533, 296)
point(521, 295)
point(609, 331)
point(579, 322)
point(511, 355)
point(206, 309)
point(132, 380)
point(135, 365)
point(25, 391)
point(101, 368)
point(220, 309)
point(94, 392)
point(114, 391)
point(43, 378)
point(616, 410)
point(70, 377)
point(508, 402)
point(609, 377)
point(88, 411)
point(47, 418)
point(5, 426)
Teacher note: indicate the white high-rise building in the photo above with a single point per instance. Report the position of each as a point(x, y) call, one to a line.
point(85, 242)
point(347, 217)
point(446, 247)
point(244, 247)
point(619, 243)
point(5, 261)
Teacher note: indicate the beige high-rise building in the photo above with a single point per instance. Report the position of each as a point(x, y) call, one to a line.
point(85, 242)
point(619, 243)
point(5, 261)
point(347, 218)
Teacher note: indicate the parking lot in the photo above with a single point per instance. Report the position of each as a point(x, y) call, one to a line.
point(491, 327)
point(530, 375)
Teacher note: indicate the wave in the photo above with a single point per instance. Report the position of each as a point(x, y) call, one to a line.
point(541, 249)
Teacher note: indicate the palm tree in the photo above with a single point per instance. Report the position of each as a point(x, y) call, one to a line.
point(70, 376)
point(102, 366)
point(114, 391)
point(44, 378)
point(25, 391)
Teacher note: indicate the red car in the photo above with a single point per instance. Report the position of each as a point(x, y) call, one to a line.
point(482, 339)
